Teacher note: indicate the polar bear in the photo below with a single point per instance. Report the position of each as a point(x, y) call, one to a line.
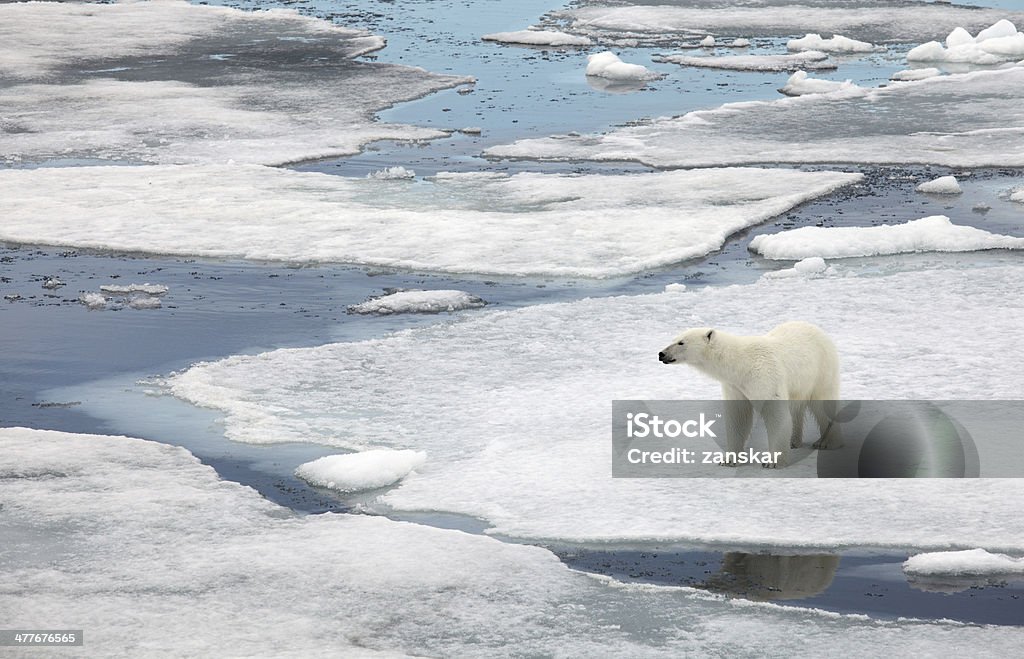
point(780, 374)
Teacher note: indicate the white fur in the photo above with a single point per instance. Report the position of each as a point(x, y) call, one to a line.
point(794, 362)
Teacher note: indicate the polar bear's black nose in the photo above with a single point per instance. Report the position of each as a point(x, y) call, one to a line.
point(665, 359)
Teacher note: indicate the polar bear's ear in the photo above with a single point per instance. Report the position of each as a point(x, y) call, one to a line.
point(708, 335)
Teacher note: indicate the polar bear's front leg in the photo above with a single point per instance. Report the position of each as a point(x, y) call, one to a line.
point(739, 418)
point(778, 420)
point(797, 411)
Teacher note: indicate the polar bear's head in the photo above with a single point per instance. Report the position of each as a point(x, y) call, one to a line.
point(690, 347)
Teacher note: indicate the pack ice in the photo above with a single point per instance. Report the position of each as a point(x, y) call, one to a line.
point(544, 224)
point(173, 82)
point(144, 546)
point(885, 21)
point(973, 120)
point(512, 408)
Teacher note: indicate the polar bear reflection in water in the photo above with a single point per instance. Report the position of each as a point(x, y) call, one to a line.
point(780, 374)
point(767, 577)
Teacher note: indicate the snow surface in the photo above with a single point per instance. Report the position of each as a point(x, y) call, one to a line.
point(799, 84)
point(538, 38)
point(929, 234)
point(915, 74)
point(967, 120)
point(512, 408)
point(147, 83)
point(808, 60)
point(146, 547)
point(356, 472)
point(969, 562)
point(996, 44)
point(434, 301)
point(835, 44)
point(608, 65)
point(550, 224)
point(147, 288)
point(941, 185)
point(873, 21)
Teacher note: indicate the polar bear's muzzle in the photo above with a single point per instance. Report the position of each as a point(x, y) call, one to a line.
point(664, 358)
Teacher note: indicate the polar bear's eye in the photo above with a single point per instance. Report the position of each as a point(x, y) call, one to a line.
point(682, 342)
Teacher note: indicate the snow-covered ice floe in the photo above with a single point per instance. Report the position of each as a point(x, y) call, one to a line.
point(967, 120)
point(999, 43)
point(435, 301)
point(863, 19)
point(538, 38)
point(835, 44)
point(941, 185)
point(513, 409)
point(800, 84)
point(141, 543)
point(356, 472)
point(969, 562)
point(929, 234)
point(550, 224)
point(150, 83)
point(811, 60)
point(608, 65)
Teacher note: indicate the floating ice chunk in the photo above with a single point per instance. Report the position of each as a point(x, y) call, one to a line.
point(915, 74)
point(93, 300)
point(1017, 196)
point(941, 185)
point(608, 65)
point(366, 470)
point(929, 234)
point(144, 302)
point(880, 126)
point(740, 43)
point(999, 43)
point(799, 84)
point(392, 173)
point(807, 60)
point(836, 44)
point(180, 536)
point(808, 267)
point(52, 283)
point(708, 41)
point(561, 365)
point(147, 288)
point(675, 288)
point(471, 130)
point(538, 38)
point(970, 562)
point(550, 224)
point(419, 302)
